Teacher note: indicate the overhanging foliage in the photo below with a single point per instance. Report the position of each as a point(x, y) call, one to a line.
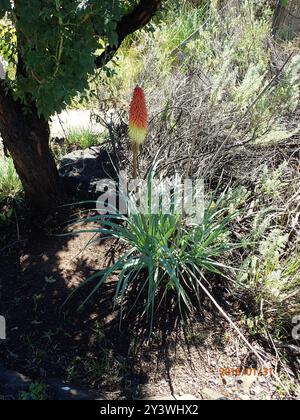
point(57, 42)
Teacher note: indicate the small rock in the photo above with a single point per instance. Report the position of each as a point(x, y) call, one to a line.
point(12, 383)
point(211, 394)
point(83, 169)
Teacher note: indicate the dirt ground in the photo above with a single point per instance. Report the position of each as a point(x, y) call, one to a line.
point(93, 351)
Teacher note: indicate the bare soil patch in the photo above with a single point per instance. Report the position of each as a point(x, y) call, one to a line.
point(91, 349)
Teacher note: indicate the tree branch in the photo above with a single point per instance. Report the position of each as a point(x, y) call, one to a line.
point(136, 19)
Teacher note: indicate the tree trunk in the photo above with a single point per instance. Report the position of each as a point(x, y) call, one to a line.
point(26, 138)
point(286, 20)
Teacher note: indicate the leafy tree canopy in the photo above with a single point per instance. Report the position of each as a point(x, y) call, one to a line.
point(53, 44)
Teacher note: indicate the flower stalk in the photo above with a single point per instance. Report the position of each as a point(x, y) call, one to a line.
point(138, 125)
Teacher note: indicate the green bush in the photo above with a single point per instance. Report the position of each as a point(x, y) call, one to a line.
point(271, 272)
point(36, 391)
point(11, 191)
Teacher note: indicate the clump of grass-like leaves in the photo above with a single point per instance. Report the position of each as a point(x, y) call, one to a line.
point(164, 254)
point(11, 191)
point(10, 184)
point(83, 138)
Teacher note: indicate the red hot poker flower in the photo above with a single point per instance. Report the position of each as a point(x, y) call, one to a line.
point(138, 117)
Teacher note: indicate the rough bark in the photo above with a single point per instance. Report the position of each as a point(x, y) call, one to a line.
point(26, 138)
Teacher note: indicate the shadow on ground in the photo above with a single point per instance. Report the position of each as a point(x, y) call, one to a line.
point(91, 349)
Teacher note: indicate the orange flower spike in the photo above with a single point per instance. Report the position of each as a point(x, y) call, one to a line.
point(138, 117)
